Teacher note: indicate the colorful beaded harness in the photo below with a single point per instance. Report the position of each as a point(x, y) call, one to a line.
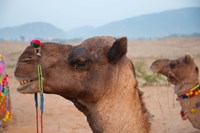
point(5, 103)
point(189, 94)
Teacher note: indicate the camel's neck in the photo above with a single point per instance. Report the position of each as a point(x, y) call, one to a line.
point(120, 113)
point(190, 104)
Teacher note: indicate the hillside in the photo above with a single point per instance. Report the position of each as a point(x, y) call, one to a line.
point(80, 32)
point(185, 21)
point(32, 30)
point(175, 22)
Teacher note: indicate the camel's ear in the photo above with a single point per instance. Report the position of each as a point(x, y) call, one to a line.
point(188, 58)
point(118, 50)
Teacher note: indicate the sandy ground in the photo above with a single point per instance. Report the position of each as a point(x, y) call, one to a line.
point(62, 117)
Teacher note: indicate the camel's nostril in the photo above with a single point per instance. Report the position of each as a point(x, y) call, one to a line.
point(26, 59)
point(155, 63)
point(153, 68)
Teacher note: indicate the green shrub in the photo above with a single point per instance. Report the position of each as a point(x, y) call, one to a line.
point(148, 78)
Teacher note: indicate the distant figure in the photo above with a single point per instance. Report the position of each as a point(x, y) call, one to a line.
point(5, 104)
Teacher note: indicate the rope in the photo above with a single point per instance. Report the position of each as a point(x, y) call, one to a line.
point(36, 107)
point(40, 88)
point(41, 110)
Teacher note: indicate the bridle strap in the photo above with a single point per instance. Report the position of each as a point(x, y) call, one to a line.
point(36, 110)
point(36, 44)
point(181, 83)
point(40, 88)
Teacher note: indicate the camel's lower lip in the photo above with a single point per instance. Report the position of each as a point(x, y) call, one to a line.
point(171, 80)
point(29, 87)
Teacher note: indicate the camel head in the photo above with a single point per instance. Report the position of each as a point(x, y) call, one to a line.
point(181, 70)
point(72, 71)
point(95, 75)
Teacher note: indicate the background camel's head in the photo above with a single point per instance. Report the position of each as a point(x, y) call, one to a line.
point(177, 71)
point(72, 71)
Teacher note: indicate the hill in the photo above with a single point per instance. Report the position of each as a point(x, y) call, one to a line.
point(185, 21)
point(32, 30)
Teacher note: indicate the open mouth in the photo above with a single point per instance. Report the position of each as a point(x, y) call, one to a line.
point(24, 82)
point(27, 86)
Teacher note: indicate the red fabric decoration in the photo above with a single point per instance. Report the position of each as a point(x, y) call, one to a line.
point(35, 43)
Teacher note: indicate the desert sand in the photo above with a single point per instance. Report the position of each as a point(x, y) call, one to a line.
point(60, 115)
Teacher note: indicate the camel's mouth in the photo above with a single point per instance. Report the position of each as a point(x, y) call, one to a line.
point(24, 82)
point(172, 78)
point(154, 68)
point(27, 86)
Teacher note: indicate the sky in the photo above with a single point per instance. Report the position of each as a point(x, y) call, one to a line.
point(69, 14)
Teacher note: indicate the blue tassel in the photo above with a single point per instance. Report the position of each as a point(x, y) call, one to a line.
point(184, 97)
point(41, 102)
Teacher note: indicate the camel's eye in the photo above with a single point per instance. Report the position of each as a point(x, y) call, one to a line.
point(80, 64)
point(173, 64)
point(80, 59)
point(197, 69)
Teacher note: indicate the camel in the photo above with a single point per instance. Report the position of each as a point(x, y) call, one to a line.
point(184, 74)
point(96, 76)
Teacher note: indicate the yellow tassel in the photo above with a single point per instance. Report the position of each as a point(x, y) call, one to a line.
point(7, 117)
point(193, 110)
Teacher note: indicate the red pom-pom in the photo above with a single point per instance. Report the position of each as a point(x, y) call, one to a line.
point(35, 43)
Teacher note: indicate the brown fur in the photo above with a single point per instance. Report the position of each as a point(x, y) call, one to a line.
point(183, 73)
point(96, 76)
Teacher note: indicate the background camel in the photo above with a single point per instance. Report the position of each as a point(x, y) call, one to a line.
point(183, 73)
point(95, 75)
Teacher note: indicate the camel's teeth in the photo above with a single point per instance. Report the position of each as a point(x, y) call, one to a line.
point(22, 82)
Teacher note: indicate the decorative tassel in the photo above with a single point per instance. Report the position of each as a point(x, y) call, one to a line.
point(5, 103)
point(183, 115)
point(42, 102)
point(37, 46)
point(35, 43)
